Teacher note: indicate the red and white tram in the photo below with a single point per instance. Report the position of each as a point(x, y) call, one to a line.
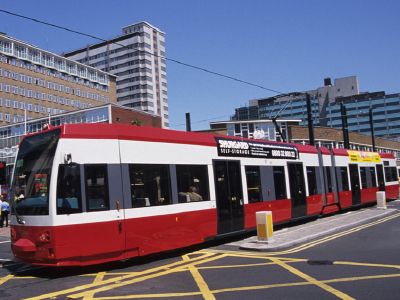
point(91, 193)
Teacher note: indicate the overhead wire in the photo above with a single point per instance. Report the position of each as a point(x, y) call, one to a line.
point(153, 54)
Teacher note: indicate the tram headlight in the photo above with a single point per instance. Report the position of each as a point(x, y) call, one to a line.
point(44, 237)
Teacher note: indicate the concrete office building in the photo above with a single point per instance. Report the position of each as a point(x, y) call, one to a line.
point(137, 58)
point(36, 83)
point(326, 111)
point(294, 104)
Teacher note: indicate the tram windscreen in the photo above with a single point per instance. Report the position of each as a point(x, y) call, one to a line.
point(32, 171)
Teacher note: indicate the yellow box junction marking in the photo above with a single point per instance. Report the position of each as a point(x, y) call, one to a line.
point(201, 283)
point(312, 280)
point(192, 264)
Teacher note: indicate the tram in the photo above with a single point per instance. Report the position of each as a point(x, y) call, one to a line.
point(85, 194)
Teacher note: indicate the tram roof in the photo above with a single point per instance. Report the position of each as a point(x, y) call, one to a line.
point(152, 134)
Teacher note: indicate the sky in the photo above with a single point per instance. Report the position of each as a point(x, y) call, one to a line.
point(282, 45)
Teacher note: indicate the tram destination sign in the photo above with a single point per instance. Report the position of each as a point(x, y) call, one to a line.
point(255, 149)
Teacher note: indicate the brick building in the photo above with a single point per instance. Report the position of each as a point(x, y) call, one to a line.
point(36, 83)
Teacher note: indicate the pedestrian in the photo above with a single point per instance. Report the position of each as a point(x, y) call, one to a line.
point(1, 201)
point(5, 210)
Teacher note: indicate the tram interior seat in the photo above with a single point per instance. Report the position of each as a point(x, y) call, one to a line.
point(184, 197)
point(141, 202)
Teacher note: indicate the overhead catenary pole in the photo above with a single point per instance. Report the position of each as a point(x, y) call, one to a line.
point(310, 121)
point(345, 126)
point(371, 124)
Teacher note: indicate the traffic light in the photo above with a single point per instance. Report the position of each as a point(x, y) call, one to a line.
point(3, 176)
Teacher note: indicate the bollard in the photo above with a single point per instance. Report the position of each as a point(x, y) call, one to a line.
point(265, 227)
point(381, 200)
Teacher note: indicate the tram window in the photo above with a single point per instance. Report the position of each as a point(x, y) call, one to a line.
point(253, 184)
point(96, 182)
point(150, 185)
point(345, 178)
point(280, 183)
point(363, 172)
point(69, 189)
point(388, 174)
point(394, 173)
point(312, 180)
point(192, 183)
point(328, 179)
point(373, 176)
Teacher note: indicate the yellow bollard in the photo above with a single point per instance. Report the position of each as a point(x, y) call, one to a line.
point(265, 226)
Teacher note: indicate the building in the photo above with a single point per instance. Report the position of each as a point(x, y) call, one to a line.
point(385, 111)
point(257, 129)
point(326, 111)
point(36, 83)
point(293, 105)
point(137, 57)
point(11, 135)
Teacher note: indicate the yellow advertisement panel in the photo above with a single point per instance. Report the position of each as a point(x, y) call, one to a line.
point(361, 156)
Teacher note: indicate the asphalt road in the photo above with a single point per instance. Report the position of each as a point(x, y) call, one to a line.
point(364, 263)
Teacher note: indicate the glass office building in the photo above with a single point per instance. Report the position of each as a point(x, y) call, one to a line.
point(385, 111)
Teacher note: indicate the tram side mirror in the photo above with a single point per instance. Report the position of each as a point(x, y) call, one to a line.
point(68, 158)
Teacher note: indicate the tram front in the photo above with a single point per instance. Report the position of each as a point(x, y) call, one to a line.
point(31, 230)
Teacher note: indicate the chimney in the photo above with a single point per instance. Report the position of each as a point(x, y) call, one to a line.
point(327, 81)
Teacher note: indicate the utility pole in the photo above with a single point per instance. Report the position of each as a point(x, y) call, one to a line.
point(371, 124)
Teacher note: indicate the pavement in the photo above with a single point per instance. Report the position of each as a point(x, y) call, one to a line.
point(324, 226)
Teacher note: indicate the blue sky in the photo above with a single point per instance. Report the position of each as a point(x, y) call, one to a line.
point(284, 45)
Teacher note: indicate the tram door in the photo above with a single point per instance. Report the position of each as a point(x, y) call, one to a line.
point(355, 184)
point(297, 190)
point(381, 179)
point(228, 189)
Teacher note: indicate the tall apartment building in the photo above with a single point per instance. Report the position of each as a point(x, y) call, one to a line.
point(36, 83)
point(137, 59)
